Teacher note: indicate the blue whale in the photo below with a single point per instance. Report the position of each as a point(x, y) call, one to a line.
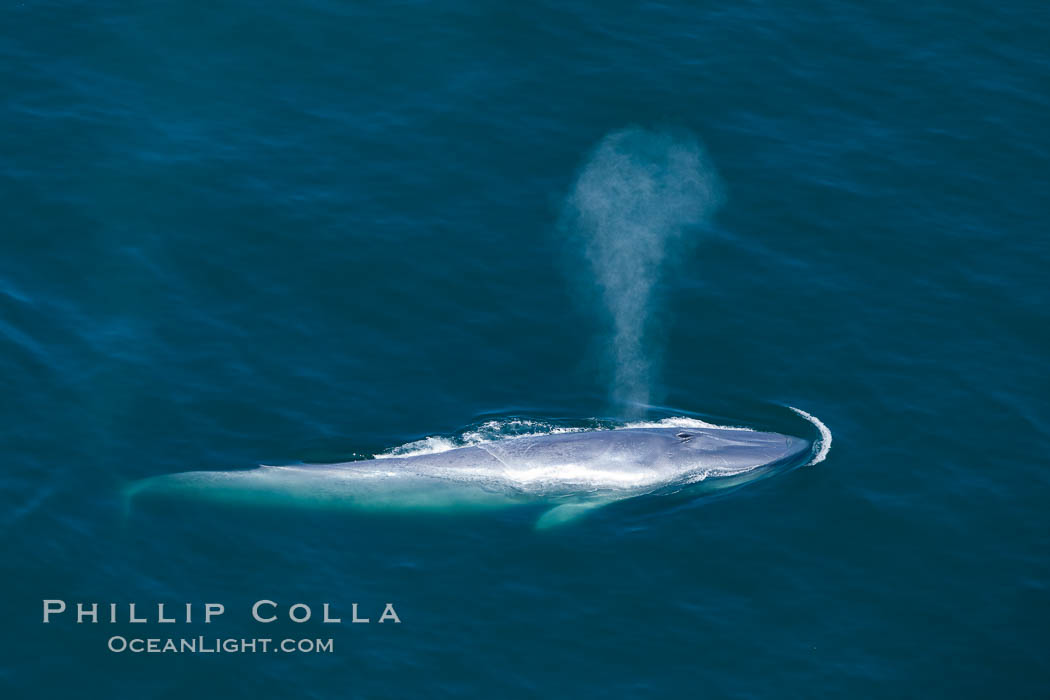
point(571, 473)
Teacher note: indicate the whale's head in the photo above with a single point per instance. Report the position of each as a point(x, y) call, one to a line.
point(726, 452)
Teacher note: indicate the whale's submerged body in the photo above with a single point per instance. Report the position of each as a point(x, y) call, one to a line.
point(572, 473)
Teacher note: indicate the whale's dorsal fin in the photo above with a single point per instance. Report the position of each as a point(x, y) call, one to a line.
point(566, 513)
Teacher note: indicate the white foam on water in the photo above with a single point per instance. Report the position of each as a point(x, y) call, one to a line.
point(823, 445)
point(494, 430)
point(680, 422)
point(489, 431)
point(426, 446)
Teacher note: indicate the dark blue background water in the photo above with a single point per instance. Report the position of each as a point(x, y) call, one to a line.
point(265, 232)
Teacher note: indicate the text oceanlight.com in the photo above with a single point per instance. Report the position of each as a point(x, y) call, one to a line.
point(215, 645)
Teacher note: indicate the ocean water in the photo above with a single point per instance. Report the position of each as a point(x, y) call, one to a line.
point(313, 232)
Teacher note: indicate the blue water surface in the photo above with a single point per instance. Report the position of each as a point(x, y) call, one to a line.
point(264, 232)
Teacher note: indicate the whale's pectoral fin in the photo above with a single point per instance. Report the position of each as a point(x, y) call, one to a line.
point(567, 513)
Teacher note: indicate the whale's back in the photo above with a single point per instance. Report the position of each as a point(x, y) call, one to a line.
point(574, 472)
point(627, 460)
point(551, 464)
